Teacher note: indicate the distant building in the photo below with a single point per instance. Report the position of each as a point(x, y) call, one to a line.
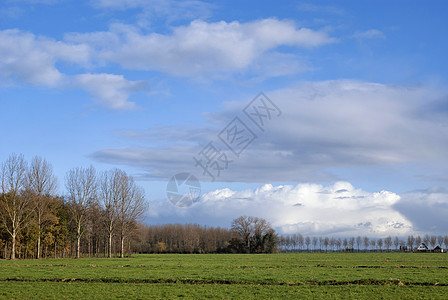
point(437, 249)
point(422, 248)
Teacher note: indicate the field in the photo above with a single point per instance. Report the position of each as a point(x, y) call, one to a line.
point(230, 276)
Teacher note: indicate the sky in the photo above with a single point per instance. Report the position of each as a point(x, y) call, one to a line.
point(324, 117)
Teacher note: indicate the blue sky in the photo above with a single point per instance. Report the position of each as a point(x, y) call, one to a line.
point(146, 85)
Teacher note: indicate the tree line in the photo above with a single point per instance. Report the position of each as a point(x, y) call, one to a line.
point(297, 242)
point(99, 214)
point(246, 235)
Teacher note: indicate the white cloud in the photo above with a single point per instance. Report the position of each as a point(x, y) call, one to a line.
point(197, 49)
point(310, 209)
point(112, 91)
point(25, 59)
point(369, 34)
point(324, 126)
point(29, 59)
point(200, 48)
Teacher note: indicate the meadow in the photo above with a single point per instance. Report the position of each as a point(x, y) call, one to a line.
point(230, 276)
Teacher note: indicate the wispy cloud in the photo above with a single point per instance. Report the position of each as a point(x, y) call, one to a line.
point(169, 10)
point(112, 91)
point(369, 34)
point(329, 9)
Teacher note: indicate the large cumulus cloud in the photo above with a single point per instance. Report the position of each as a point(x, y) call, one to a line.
point(311, 209)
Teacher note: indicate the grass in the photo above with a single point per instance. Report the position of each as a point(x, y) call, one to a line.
point(230, 276)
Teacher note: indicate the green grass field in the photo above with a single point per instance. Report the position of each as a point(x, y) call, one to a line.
point(230, 276)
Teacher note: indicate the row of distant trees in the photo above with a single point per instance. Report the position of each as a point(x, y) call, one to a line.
point(297, 242)
point(100, 212)
point(247, 235)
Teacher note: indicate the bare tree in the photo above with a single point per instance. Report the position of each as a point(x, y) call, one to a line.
point(314, 243)
point(366, 243)
point(388, 242)
point(242, 225)
point(418, 240)
point(411, 241)
point(402, 245)
point(440, 240)
point(307, 242)
point(42, 183)
point(358, 242)
point(81, 185)
point(300, 241)
point(372, 244)
point(379, 242)
point(131, 207)
point(326, 242)
point(16, 204)
point(294, 241)
point(351, 242)
point(332, 243)
point(433, 241)
point(396, 242)
point(426, 239)
point(260, 226)
point(345, 243)
point(110, 189)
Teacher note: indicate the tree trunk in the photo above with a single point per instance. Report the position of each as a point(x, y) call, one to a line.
point(97, 247)
point(39, 228)
point(110, 245)
point(78, 248)
point(90, 243)
point(38, 244)
point(122, 246)
point(13, 246)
